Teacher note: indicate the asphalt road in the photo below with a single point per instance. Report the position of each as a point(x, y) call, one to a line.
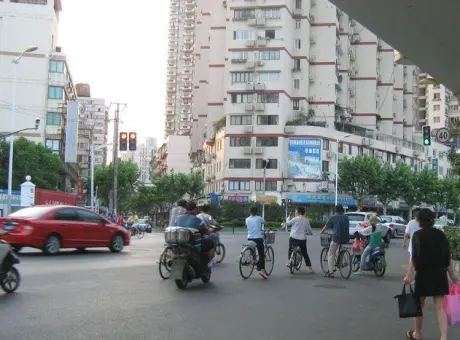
point(99, 295)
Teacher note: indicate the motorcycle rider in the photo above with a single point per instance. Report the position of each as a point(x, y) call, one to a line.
point(190, 220)
point(176, 211)
point(206, 217)
point(375, 233)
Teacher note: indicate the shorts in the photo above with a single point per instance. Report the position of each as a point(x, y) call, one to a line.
point(206, 245)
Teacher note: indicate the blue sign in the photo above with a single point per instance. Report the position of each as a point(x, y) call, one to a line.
point(304, 158)
point(328, 199)
point(434, 166)
point(15, 197)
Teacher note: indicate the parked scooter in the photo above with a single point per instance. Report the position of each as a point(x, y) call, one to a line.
point(10, 278)
point(377, 262)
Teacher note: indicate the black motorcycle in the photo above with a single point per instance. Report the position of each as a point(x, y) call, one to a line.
point(188, 263)
point(10, 278)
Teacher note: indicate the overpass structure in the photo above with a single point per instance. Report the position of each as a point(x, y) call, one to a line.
point(427, 32)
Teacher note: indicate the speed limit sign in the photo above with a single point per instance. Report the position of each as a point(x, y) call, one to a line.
point(442, 135)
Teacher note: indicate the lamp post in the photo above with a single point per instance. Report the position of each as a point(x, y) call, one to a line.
point(15, 62)
point(98, 147)
point(264, 164)
point(337, 169)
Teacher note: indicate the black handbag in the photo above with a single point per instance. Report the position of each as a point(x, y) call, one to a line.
point(409, 304)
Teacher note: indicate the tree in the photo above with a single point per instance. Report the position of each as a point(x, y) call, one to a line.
point(446, 194)
point(143, 199)
point(360, 176)
point(128, 176)
point(34, 159)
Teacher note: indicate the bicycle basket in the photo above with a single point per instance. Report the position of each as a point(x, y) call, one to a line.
point(269, 237)
point(325, 240)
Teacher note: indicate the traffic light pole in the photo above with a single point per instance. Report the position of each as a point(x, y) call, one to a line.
point(115, 159)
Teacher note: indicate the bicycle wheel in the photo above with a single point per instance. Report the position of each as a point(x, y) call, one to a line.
point(246, 262)
point(298, 261)
point(323, 260)
point(269, 260)
point(165, 263)
point(219, 252)
point(355, 263)
point(344, 263)
point(292, 263)
point(140, 234)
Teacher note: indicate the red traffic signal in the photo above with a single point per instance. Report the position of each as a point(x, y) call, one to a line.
point(132, 141)
point(123, 141)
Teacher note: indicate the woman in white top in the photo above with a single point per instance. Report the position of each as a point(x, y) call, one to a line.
point(298, 237)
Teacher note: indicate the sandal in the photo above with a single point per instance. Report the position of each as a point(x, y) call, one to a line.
point(329, 274)
point(410, 335)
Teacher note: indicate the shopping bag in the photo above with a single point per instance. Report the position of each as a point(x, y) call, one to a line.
point(452, 305)
point(409, 304)
point(356, 246)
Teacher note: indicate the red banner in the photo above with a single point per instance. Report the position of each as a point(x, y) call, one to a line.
point(48, 197)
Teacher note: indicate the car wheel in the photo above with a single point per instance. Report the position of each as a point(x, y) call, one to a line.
point(117, 244)
point(52, 245)
point(388, 237)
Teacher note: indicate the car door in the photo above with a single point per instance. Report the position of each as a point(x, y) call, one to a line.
point(401, 226)
point(68, 226)
point(94, 231)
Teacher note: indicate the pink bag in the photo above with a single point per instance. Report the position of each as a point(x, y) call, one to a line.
point(452, 305)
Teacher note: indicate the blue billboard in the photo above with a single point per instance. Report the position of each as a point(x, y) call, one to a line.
point(304, 158)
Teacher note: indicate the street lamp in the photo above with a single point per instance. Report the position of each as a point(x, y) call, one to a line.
point(264, 164)
point(15, 62)
point(337, 169)
point(98, 147)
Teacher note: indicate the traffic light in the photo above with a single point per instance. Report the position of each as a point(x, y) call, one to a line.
point(132, 141)
point(123, 141)
point(426, 135)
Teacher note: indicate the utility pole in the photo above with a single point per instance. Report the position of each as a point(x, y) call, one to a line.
point(115, 156)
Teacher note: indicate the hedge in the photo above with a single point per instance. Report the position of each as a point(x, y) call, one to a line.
point(453, 236)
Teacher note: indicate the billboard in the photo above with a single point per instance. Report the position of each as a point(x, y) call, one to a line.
point(48, 197)
point(304, 158)
point(71, 131)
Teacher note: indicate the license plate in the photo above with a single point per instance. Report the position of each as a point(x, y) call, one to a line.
point(9, 227)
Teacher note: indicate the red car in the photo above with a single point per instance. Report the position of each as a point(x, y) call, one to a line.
point(51, 228)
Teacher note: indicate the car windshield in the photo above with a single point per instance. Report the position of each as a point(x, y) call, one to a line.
point(386, 219)
point(356, 217)
point(442, 223)
point(142, 221)
point(30, 212)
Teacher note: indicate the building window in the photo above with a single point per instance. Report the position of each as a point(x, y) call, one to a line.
point(53, 144)
point(244, 14)
point(436, 107)
point(272, 13)
point(296, 104)
point(298, 24)
point(393, 157)
point(437, 96)
point(360, 150)
point(55, 92)
point(243, 55)
point(326, 144)
point(350, 149)
point(239, 163)
point(267, 120)
point(269, 185)
point(267, 141)
point(272, 164)
point(297, 44)
point(340, 147)
point(30, 2)
point(436, 119)
point(241, 35)
point(298, 4)
point(269, 55)
point(297, 84)
point(268, 76)
point(453, 108)
point(241, 120)
point(240, 141)
point(272, 34)
point(241, 77)
point(388, 157)
point(268, 98)
point(297, 64)
point(325, 166)
point(238, 185)
point(240, 98)
point(53, 118)
point(57, 66)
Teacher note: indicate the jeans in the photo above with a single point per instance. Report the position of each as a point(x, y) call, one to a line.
point(364, 256)
point(261, 251)
point(331, 256)
point(303, 248)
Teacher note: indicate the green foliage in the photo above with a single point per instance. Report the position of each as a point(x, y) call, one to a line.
point(128, 176)
point(360, 176)
point(34, 159)
point(453, 236)
point(219, 124)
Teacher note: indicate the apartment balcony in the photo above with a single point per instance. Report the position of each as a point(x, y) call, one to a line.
point(189, 41)
point(189, 19)
point(189, 25)
point(297, 12)
point(186, 96)
point(188, 49)
point(170, 89)
point(190, 3)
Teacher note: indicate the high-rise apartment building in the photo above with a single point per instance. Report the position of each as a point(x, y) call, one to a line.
point(142, 157)
point(92, 129)
point(301, 85)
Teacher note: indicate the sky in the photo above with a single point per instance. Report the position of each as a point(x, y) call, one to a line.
point(119, 47)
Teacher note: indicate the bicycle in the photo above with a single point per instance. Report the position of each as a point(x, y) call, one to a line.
point(219, 250)
point(249, 256)
point(295, 261)
point(137, 232)
point(342, 260)
point(165, 262)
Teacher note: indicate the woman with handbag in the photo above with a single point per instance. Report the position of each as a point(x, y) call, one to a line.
point(431, 263)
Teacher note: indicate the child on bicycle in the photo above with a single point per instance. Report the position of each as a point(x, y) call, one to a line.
point(298, 237)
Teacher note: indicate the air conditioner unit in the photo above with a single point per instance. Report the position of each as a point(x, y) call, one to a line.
point(313, 57)
point(260, 63)
point(310, 98)
point(261, 42)
point(394, 97)
point(366, 141)
point(260, 107)
point(311, 79)
point(312, 18)
point(250, 43)
point(260, 86)
point(397, 148)
point(261, 22)
point(312, 40)
point(416, 153)
point(249, 107)
point(289, 129)
point(249, 86)
point(329, 154)
point(247, 150)
point(352, 23)
point(224, 3)
point(352, 92)
point(252, 22)
point(247, 129)
point(250, 64)
point(258, 151)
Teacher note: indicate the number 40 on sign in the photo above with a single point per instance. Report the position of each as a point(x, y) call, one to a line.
point(442, 135)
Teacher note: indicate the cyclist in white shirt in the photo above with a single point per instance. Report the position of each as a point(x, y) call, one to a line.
point(254, 224)
point(298, 237)
point(411, 228)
